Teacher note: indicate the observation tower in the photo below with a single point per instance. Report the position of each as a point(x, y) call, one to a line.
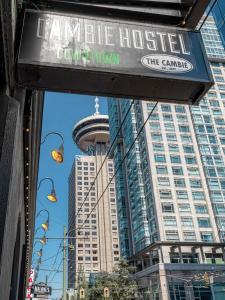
point(91, 134)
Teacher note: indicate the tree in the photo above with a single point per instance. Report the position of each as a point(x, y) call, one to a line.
point(120, 283)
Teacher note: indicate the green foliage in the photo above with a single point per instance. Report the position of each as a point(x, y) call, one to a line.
point(120, 283)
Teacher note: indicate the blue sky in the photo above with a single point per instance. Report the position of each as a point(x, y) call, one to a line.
point(61, 112)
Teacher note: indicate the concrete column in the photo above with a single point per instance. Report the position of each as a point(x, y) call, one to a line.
point(150, 258)
point(160, 253)
point(180, 254)
point(203, 259)
point(164, 291)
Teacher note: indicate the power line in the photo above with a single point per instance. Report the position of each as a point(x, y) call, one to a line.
point(57, 270)
point(139, 132)
point(107, 154)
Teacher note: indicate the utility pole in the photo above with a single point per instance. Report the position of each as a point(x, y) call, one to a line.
point(64, 263)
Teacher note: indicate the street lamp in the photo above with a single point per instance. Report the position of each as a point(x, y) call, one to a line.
point(57, 154)
point(52, 196)
point(43, 240)
point(44, 225)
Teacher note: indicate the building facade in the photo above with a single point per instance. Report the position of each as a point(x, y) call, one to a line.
point(92, 203)
point(170, 188)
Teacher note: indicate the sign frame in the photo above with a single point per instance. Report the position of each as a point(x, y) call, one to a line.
point(112, 82)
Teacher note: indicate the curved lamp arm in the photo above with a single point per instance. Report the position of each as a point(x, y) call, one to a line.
point(46, 178)
point(52, 133)
point(45, 210)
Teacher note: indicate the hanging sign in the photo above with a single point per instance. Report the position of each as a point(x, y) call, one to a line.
point(92, 55)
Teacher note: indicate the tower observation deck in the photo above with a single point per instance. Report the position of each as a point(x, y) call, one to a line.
point(92, 130)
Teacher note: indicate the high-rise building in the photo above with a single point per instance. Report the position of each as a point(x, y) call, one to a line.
point(171, 188)
point(92, 203)
point(219, 15)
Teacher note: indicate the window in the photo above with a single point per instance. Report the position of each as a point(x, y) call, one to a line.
point(219, 121)
point(171, 137)
point(167, 118)
point(187, 222)
point(200, 128)
point(193, 171)
point(177, 171)
point(188, 149)
point(155, 126)
point(206, 236)
point(183, 128)
point(190, 160)
point(180, 109)
point(160, 158)
point(167, 207)
point(155, 117)
point(165, 194)
point(158, 147)
point(220, 209)
point(172, 235)
point(201, 209)
point(186, 139)
point(211, 172)
point(182, 118)
point(169, 127)
point(179, 182)
point(175, 159)
point(164, 181)
point(156, 137)
point(170, 221)
point(195, 183)
point(173, 148)
point(182, 195)
point(216, 196)
point(203, 222)
point(214, 258)
point(161, 170)
point(184, 208)
point(221, 172)
point(198, 195)
point(189, 236)
point(166, 108)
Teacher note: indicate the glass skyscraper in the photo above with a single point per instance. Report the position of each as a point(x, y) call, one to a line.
point(171, 188)
point(219, 15)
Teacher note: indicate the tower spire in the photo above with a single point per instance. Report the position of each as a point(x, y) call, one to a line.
point(96, 106)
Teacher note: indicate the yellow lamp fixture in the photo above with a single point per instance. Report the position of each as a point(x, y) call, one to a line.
point(43, 240)
point(58, 154)
point(39, 253)
point(45, 225)
point(52, 197)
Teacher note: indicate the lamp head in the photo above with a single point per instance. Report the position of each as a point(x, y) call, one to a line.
point(45, 225)
point(40, 252)
point(43, 240)
point(58, 154)
point(52, 197)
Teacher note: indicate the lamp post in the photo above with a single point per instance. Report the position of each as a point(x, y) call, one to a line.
point(57, 154)
point(52, 196)
point(45, 225)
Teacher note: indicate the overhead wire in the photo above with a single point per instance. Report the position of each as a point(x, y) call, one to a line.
point(139, 132)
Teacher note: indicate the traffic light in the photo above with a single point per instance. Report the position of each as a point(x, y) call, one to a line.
point(82, 293)
point(206, 279)
point(106, 292)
